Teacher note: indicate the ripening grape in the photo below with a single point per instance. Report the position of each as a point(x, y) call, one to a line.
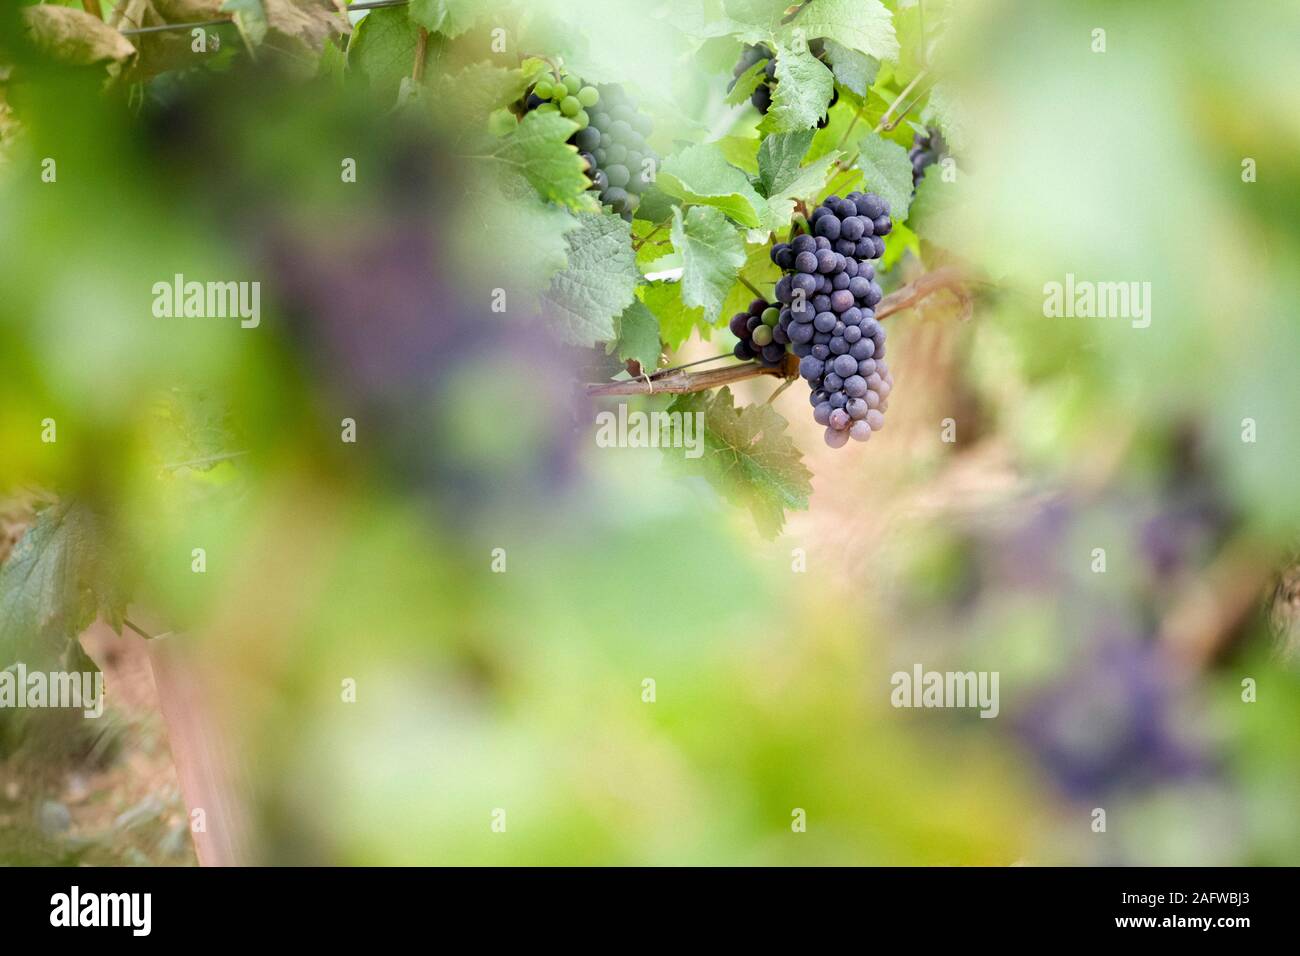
point(829, 293)
point(927, 149)
point(759, 339)
point(611, 137)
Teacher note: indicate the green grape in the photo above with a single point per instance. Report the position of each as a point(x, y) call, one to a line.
point(572, 84)
point(570, 106)
point(582, 119)
point(771, 316)
point(588, 96)
point(548, 108)
point(543, 89)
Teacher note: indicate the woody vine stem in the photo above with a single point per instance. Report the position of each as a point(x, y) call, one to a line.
point(678, 381)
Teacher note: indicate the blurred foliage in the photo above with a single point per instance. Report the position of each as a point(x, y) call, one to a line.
point(523, 690)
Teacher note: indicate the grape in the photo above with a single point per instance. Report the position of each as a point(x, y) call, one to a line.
point(569, 106)
point(927, 149)
point(588, 96)
point(542, 89)
point(572, 84)
point(761, 339)
point(618, 174)
point(830, 321)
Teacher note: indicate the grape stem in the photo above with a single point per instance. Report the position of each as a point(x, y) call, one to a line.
point(678, 382)
point(638, 243)
point(421, 45)
point(750, 286)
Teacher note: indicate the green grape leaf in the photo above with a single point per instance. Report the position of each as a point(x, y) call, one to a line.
point(779, 157)
point(853, 70)
point(759, 271)
point(250, 19)
point(748, 457)
point(747, 83)
point(55, 584)
point(712, 250)
point(801, 93)
point(472, 101)
point(753, 21)
point(783, 180)
point(599, 283)
point(451, 18)
point(507, 204)
point(887, 171)
point(676, 319)
point(537, 149)
point(702, 175)
point(638, 336)
point(863, 25)
point(740, 151)
point(943, 113)
point(382, 49)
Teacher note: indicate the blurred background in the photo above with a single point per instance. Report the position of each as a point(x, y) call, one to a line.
point(497, 590)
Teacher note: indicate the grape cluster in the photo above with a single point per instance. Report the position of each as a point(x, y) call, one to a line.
point(829, 295)
point(758, 331)
point(762, 95)
point(927, 148)
point(611, 137)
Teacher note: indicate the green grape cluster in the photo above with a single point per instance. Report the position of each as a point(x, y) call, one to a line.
point(566, 95)
point(611, 137)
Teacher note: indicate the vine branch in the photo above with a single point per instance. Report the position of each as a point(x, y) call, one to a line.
point(679, 381)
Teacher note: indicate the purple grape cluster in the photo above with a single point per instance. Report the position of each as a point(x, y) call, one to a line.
point(828, 293)
point(927, 148)
point(757, 330)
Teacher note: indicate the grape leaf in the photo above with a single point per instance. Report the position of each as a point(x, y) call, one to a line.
point(942, 113)
point(747, 83)
point(783, 180)
point(54, 585)
point(712, 250)
point(801, 93)
point(740, 151)
point(638, 336)
point(507, 204)
point(863, 25)
point(701, 174)
point(759, 271)
point(537, 148)
point(466, 97)
point(853, 70)
point(753, 21)
point(76, 38)
point(382, 49)
point(886, 170)
point(748, 457)
point(676, 319)
point(250, 19)
point(779, 157)
point(451, 18)
point(599, 283)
